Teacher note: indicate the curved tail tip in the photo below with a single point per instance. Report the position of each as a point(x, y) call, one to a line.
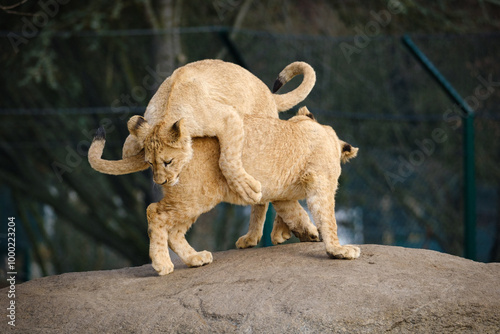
point(277, 85)
point(100, 134)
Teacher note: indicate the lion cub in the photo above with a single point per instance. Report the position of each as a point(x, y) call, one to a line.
point(212, 97)
point(293, 160)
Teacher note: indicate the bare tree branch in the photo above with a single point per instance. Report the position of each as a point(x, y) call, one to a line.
point(8, 10)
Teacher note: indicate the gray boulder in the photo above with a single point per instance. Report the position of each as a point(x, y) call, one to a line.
point(283, 289)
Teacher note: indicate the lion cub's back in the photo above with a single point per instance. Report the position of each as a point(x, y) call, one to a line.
point(229, 84)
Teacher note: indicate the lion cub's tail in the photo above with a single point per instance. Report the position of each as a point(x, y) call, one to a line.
point(290, 99)
point(128, 165)
point(347, 151)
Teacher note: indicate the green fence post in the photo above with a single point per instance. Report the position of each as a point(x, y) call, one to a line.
point(468, 148)
point(268, 227)
point(469, 188)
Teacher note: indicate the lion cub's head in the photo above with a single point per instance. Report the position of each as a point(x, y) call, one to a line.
point(167, 148)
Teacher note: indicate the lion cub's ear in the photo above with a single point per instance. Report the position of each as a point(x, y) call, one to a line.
point(305, 112)
point(139, 127)
point(177, 131)
point(347, 151)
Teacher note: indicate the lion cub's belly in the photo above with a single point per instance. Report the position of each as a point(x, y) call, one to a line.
point(280, 183)
point(273, 192)
point(278, 170)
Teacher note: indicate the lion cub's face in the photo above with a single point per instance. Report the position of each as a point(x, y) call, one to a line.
point(167, 148)
point(166, 161)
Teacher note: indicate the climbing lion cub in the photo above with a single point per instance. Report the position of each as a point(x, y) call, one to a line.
point(293, 160)
point(212, 97)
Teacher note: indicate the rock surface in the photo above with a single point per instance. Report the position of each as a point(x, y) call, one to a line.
point(283, 289)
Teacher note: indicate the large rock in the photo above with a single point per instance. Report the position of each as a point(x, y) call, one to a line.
point(284, 289)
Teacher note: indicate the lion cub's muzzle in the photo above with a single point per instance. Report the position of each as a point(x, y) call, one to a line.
point(170, 181)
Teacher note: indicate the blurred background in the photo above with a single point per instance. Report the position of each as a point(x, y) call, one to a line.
point(68, 67)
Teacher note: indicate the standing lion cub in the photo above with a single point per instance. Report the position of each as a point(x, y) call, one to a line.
point(210, 98)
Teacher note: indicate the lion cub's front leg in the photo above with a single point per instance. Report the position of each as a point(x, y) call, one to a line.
point(178, 243)
point(231, 137)
point(158, 240)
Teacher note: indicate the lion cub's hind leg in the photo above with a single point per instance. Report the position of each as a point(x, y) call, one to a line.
point(158, 240)
point(231, 135)
point(291, 216)
point(322, 205)
point(254, 234)
point(178, 243)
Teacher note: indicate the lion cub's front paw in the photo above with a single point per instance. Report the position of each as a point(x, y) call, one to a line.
point(347, 252)
point(199, 259)
point(163, 268)
point(247, 241)
point(247, 188)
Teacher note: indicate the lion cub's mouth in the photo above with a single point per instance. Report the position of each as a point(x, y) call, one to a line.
point(171, 182)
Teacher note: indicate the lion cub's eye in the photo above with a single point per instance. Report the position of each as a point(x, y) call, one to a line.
point(166, 163)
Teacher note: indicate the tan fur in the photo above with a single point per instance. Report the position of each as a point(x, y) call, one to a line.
point(212, 97)
point(293, 159)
